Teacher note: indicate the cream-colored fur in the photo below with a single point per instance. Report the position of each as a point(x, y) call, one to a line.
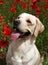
point(23, 51)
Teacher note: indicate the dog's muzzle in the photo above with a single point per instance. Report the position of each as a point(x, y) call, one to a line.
point(16, 31)
point(16, 23)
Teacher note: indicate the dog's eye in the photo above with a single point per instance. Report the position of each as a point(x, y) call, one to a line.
point(28, 21)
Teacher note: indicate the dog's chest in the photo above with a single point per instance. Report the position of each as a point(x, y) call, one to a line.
point(26, 52)
point(25, 46)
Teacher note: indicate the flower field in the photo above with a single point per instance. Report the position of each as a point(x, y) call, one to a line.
point(9, 10)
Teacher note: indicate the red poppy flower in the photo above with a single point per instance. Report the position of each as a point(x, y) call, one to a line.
point(24, 5)
point(5, 26)
point(2, 19)
point(38, 11)
point(13, 9)
point(46, 0)
point(34, 6)
point(7, 31)
point(3, 43)
point(1, 2)
point(45, 5)
point(37, 16)
point(34, 1)
point(17, 1)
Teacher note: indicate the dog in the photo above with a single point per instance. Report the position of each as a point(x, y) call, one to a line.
point(22, 50)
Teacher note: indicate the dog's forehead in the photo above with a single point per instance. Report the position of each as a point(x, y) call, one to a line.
point(23, 15)
point(27, 16)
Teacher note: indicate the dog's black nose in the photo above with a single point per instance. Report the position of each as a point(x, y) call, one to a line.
point(16, 22)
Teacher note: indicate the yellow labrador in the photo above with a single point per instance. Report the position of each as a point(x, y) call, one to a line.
point(22, 50)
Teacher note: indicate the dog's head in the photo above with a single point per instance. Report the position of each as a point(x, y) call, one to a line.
point(26, 24)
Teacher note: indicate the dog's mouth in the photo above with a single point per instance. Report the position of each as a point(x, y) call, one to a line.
point(18, 34)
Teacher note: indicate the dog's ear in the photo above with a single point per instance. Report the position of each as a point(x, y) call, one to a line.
point(39, 27)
